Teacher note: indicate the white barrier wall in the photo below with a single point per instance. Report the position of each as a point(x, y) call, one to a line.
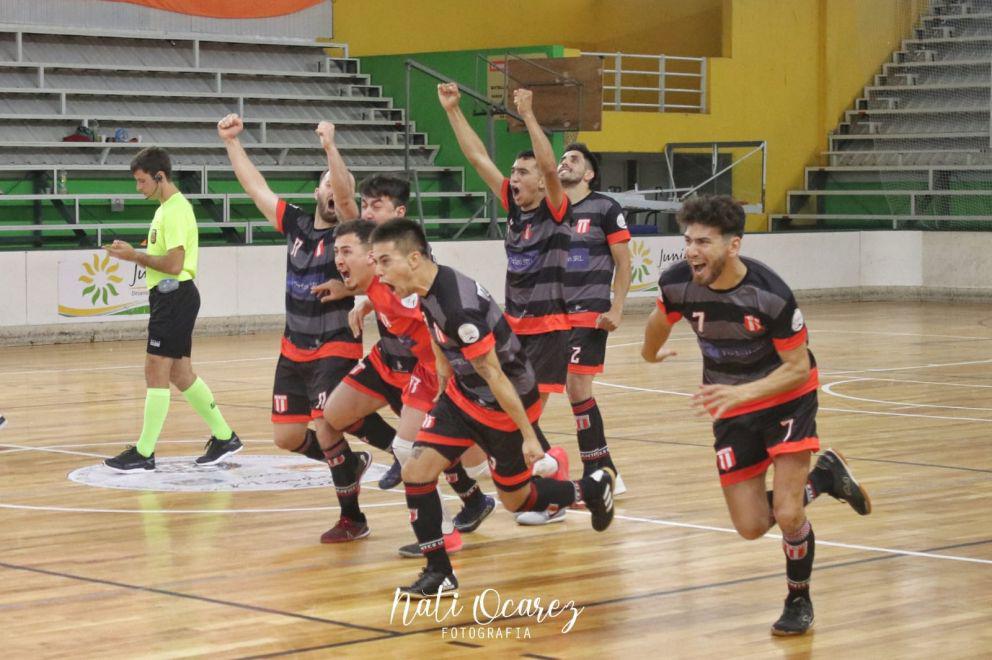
point(247, 282)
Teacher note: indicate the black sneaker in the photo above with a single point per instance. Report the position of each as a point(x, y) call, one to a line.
point(600, 504)
point(432, 584)
point(3, 421)
point(797, 617)
point(392, 477)
point(472, 514)
point(218, 449)
point(364, 463)
point(844, 486)
point(130, 460)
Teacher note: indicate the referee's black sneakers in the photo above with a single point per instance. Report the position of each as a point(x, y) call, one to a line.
point(130, 460)
point(216, 450)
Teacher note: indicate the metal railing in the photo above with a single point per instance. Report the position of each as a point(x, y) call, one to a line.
point(492, 111)
point(70, 206)
point(659, 83)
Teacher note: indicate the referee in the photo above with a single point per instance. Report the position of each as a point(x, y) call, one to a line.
point(170, 263)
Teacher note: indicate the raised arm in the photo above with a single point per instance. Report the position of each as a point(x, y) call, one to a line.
point(471, 145)
point(342, 183)
point(547, 164)
point(248, 175)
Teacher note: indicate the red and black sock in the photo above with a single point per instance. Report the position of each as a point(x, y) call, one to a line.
point(344, 472)
point(375, 431)
point(466, 487)
point(549, 495)
point(424, 503)
point(799, 549)
point(592, 436)
point(310, 447)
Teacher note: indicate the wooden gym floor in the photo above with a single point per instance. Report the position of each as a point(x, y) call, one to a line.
point(89, 571)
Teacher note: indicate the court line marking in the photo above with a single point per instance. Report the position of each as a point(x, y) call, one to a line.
point(778, 537)
point(128, 366)
point(204, 599)
point(825, 408)
point(926, 382)
point(9, 448)
point(828, 388)
point(658, 593)
point(894, 334)
point(653, 521)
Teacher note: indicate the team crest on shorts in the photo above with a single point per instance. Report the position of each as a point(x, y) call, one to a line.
point(280, 403)
point(725, 459)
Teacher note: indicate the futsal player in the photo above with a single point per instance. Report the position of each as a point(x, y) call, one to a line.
point(385, 196)
point(599, 256)
point(317, 349)
point(759, 384)
point(538, 237)
point(489, 396)
point(399, 372)
point(170, 263)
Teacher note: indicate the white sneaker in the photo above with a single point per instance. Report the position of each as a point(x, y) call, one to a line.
point(545, 467)
point(619, 488)
point(535, 518)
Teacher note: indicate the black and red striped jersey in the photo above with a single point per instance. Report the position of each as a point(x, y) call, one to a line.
point(467, 323)
point(313, 329)
point(739, 330)
point(537, 244)
point(597, 223)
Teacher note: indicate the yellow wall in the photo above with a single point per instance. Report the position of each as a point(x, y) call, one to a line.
point(390, 27)
point(795, 66)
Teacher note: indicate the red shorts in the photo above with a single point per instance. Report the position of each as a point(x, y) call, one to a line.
point(421, 389)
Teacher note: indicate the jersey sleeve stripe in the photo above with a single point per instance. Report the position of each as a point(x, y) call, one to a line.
point(504, 195)
point(558, 214)
point(791, 343)
point(480, 347)
point(671, 317)
point(622, 236)
point(280, 212)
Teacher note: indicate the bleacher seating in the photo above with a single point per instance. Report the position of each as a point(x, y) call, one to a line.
point(170, 92)
point(914, 151)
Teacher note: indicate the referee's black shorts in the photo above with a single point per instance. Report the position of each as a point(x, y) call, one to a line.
point(170, 325)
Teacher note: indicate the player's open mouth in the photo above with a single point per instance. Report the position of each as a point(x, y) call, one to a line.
point(698, 268)
point(345, 274)
point(515, 191)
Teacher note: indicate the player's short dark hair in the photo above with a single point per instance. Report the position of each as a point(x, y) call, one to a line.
point(526, 153)
point(152, 160)
point(407, 234)
point(720, 211)
point(392, 186)
point(590, 158)
point(361, 228)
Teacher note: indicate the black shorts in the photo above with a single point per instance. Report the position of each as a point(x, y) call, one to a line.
point(301, 388)
point(746, 444)
point(586, 350)
point(449, 431)
point(546, 353)
point(171, 320)
point(365, 378)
